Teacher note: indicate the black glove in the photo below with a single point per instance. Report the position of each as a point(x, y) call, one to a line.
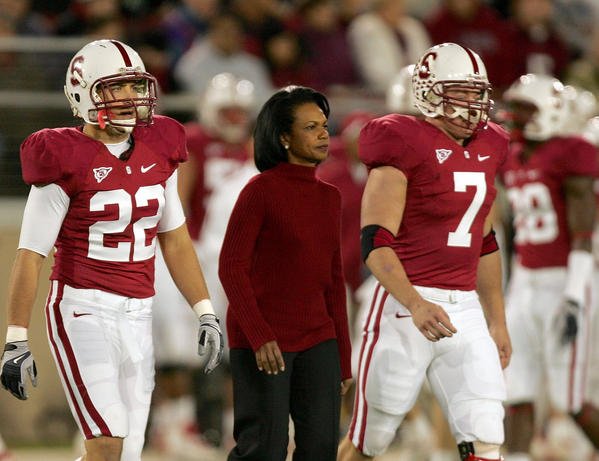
point(210, 342)
point(567, 321)
point(17, 360)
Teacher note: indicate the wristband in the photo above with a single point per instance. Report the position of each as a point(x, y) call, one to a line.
point(203, 307)
point(16, 333)
point(580, 270)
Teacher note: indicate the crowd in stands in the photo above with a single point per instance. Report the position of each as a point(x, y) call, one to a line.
point(331, 45)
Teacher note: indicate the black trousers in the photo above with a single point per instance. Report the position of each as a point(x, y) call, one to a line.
point(308, 390)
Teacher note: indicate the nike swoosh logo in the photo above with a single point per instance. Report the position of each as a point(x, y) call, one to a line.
point(77, 314)
point(145, 169)
point(400, 316)
point(482, 158)
point(18, 359)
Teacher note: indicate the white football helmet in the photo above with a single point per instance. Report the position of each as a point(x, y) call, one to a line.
point(590, 132)
point(400, 97)
point(226, 92)
point(92, 75)
point(546, 93)
point(581, 105)
point(448, 67)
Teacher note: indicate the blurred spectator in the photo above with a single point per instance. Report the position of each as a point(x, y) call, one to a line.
point(421, 9)
point(83, 15)
point(384, 40)
point(575, 20)
point(286, 61)
point(349, 9)
point(222, 51)
point(473, 24)
point(261, 19)
point(584, 72)
point(327, 50)
point(21, 19)
point(185, 23)
point(536, 46)
point(16, 19)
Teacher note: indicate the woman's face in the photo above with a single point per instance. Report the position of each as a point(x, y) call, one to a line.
point(308, 142)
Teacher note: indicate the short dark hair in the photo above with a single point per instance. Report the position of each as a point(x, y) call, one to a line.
point(276, 118)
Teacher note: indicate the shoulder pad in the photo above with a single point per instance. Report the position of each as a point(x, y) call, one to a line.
point(384, 141)
point(45, 155)
point(167, 137)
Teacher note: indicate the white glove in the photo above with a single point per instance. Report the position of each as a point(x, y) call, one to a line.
point(210, 342)
point(17, 360)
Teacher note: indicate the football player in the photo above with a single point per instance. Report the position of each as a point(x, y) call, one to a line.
point(548, 178)
point(103, 194)
point(437, 312)
point(220, 164)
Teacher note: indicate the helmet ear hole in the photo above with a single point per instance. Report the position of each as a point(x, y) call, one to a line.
point(77, 97)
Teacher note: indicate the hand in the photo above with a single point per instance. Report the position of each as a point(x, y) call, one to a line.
point(15, 361)
point(269, 358)
point(567, 321)
point(345, 385)
point(210, 342)
point(432, 321)
point(501, 337)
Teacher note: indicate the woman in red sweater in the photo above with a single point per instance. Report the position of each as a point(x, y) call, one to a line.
point(280, 266)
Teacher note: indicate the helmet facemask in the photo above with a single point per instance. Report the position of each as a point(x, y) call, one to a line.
point(107, 105)
point(474, 112)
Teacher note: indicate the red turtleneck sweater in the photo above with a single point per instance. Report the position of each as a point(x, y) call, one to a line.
point(280, 264)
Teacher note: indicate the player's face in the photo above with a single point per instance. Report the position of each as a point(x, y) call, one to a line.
point(309, 138)
point(123, 91)
point(461, 121)
point(522, 113)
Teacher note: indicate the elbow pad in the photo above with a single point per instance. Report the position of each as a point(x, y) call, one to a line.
point(374, 236)
point(490, 244)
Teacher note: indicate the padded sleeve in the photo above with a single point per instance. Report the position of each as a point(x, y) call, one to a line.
point(42, 219)
point(40, 162)
point(173, 215)
point(384, 142)
point(172, 134)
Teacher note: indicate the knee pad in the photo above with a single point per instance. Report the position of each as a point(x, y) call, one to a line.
point(479, 451)
point(377, 442)
point(481, 420)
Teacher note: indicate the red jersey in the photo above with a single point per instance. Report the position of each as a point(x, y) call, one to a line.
point(449, 194)
point(535, 191)
point(108, 236)
point(214, 160)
